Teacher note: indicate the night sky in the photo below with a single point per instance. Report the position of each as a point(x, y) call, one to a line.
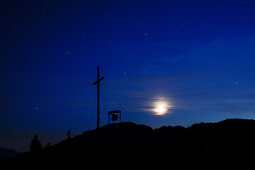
point(196, 55)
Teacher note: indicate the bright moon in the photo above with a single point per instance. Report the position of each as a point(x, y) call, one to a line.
point(161, 107)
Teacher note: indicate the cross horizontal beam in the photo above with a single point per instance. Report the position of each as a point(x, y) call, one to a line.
point(96, 82)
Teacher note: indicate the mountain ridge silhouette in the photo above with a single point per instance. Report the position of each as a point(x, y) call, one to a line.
point(8, 153)
point(231, 138)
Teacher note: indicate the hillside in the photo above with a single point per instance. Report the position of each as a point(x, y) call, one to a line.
point(8, 153)
point(233, 138)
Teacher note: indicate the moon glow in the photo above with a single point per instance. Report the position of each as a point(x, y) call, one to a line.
point(161, 107)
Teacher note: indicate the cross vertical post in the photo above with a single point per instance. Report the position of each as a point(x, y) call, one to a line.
point(98, 95)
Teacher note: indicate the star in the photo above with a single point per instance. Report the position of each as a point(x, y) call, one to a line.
point(124, 74)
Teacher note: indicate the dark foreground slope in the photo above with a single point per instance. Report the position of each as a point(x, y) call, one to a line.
point(128, 143)
point(8, 153)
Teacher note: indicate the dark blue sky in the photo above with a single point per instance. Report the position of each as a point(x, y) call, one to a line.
point(197, 54)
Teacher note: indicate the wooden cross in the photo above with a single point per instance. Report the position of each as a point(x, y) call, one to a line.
point(98, 91)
